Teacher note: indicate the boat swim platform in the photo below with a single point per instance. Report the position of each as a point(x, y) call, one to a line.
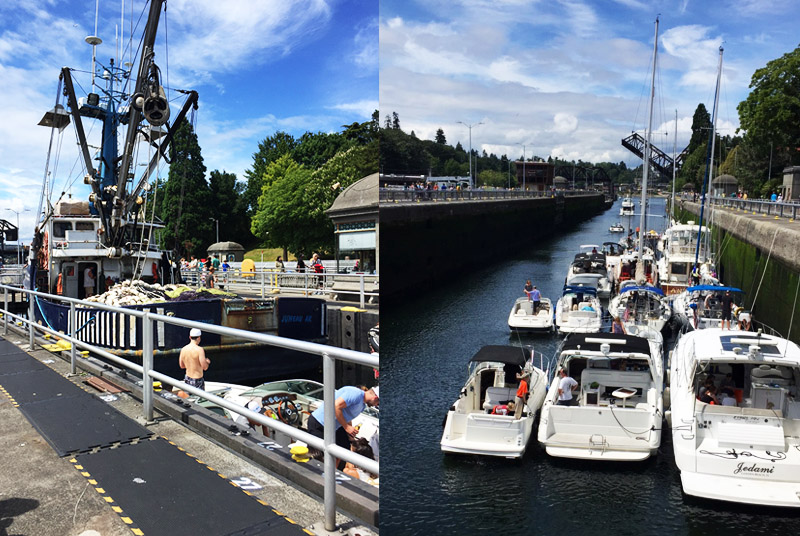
point(74, 463)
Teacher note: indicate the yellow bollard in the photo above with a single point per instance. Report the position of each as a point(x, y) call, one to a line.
point(300, 453)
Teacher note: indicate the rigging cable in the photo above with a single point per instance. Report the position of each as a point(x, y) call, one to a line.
point(766, 263)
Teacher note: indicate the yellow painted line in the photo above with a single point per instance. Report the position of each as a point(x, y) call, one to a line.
point(222, 476)
point(308, 532)
point(100, 490)
point(246, 492)
point(73, 460)
point(117, 509)
point(79, 467)
point(262, 502)
point(279, 513)
point(84, 473)
point(126, 520)
point(290, 520)
point(137, 532)
point(92, 481)
point(210, 468)
point(108, 499)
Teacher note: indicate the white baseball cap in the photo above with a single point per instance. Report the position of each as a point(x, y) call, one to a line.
point(194, 333)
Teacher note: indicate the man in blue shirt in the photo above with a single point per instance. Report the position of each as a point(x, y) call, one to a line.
point(536, 296)
point(349, 402)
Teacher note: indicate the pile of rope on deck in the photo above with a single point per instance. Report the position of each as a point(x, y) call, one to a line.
point(140, 293)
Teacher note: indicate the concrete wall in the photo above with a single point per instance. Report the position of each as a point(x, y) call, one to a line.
point(422, 243)
point(762, 257)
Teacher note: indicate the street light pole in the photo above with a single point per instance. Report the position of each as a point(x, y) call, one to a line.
point(215, 220)
point(19, 251)
point(471, 179)
point(523, 166)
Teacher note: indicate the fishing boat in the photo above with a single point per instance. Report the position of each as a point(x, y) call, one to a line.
point(474, 425)
point(745, 446)
point(579, 311)
point(617, 408)
point(588, 269)
point(523, 318)
point(111, 237)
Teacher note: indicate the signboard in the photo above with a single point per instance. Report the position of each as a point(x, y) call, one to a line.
point(357, 240)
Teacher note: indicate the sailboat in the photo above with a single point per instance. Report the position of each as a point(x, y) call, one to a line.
point(110, 237)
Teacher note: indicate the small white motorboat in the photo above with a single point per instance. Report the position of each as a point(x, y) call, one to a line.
point(745, 447)
point(617, 228)
point(579, 311)
point(471, 427)
point(617, 407)
point(523, 318)
point(588, 269)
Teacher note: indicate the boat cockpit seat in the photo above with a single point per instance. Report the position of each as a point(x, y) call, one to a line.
point(780, 376)
point(498, 395)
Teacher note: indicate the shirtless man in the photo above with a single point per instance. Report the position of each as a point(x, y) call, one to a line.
point(193, 359)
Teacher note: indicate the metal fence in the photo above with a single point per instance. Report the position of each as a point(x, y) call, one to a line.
point(329, 356)
point(359, 287)
point(414, 196)
point(768, 208)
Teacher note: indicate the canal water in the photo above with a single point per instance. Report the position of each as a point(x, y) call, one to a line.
point(427, 343)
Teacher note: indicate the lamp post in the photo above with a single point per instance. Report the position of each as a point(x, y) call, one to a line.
point(215, 220)
point(471, 180)
point(19, 251)
point(523, 166)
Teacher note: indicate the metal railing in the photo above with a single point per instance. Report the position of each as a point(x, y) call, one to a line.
point(329, 356)
point(761, 206)
point(415, 195)
point(270, 281)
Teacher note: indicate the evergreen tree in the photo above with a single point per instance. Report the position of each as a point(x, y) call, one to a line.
point(395, 121)
point(228, 208)
point(269, 150)
point(701, 125)
point(186, 197)
point(440, 139)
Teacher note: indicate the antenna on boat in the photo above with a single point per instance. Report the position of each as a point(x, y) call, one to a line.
point(94, 41)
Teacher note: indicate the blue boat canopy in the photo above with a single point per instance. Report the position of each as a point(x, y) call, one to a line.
point(635, 288)
point(713, 288)
point(580, 290)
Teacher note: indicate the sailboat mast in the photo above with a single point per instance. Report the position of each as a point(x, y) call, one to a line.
point(674, 163)
point(710, 157)
point(646, 164)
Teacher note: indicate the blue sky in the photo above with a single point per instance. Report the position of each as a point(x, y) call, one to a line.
point(259, 66)
point(569, 78)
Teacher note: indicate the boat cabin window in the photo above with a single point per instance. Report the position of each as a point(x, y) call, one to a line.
point(60, 229)
point(679, 268)
point(84, 226)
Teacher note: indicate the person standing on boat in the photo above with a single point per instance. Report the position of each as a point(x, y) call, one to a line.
point(536, 296)
point(616, 326)
point(727, 307)
point(522, 394)
point(88, 282)
point(349, 402)
point(527, 289)
point(566, 387)
point(193, 359)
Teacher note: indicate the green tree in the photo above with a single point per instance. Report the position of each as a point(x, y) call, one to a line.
point(770, 114)
point(269, 150)
point(440, 139)
point(186, 197)
point(229, 208)
point(701, 126)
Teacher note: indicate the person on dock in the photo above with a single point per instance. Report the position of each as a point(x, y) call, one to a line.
point(279, 264)
point(193, 359)
point(522, 394)
point(566, 387)
point(301, 266)
point(536, 296)
point(349, 402)
point(527, 289)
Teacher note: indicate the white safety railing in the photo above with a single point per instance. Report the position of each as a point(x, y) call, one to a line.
point(329, 356)
point(418, 195)
point(265, 281)
point(768, 208)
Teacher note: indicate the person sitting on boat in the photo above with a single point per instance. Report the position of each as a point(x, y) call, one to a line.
point(744, 320)
point(566, 387)
point(727, 385)
point(361, 446)
point(193, 359)
point(528, 289)
point(522, 394)
point(503, 409)
point(710, 395)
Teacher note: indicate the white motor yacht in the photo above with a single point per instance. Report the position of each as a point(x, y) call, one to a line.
point(627, 208)
point(679, 248)
point(523, 318)
point(579, 311)
point(617, 228)
point(700, 307)
point(471, 427)
point(745, 447)
point(588, 269)
point(617, 408)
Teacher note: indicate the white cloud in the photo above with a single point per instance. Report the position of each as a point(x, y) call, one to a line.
point(564, 123)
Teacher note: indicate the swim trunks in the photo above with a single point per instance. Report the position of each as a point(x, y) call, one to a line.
point(200, 383)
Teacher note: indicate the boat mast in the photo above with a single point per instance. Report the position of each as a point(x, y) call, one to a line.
point(646, 164)
point(709, 159)
point(674, 163)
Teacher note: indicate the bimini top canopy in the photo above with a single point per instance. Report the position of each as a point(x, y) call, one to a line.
point(635, 288)
point(619, 342)
point(515, 355)
point(713, 288)
point(579, 290)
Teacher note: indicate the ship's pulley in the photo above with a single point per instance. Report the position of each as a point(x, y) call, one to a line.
point(155, 106)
